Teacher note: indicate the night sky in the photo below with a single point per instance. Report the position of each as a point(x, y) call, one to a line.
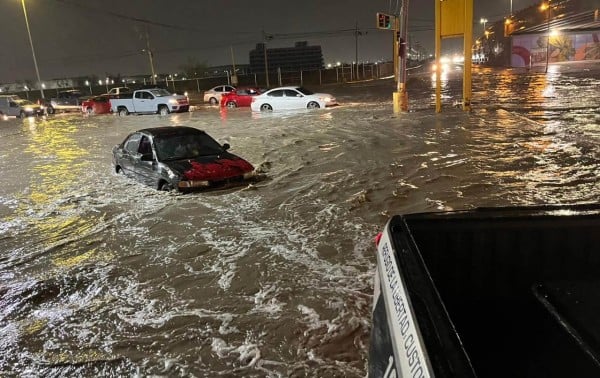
point(84, 37)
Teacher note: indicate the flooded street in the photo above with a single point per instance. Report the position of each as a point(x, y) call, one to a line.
point(100, 275)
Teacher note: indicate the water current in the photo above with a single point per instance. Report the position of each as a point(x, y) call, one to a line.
point(100, 275)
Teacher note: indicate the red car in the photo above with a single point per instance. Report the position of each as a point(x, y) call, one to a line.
point(96, 105)
point(239, 97)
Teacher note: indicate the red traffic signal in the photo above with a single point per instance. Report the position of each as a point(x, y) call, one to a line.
point(384, 21)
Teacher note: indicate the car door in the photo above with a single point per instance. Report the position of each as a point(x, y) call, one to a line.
point(275, 99)
point(146, 165)
point(246, 98)
point(13, 108)
point(126, 157)
point(293, 99)
point(144, 102)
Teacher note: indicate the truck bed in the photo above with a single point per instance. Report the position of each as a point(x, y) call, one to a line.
point(491, 292)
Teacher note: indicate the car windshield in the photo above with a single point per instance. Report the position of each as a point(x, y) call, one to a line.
point(185, 146)
point(24, 102)
point(304, 91)
point(160, 92)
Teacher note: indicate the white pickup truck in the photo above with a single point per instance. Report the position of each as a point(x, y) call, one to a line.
point(149, 101)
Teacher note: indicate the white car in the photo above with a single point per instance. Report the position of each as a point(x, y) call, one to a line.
point(286, 98)
point(213, 95)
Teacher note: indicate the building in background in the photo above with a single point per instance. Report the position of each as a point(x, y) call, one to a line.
point(556, 31)
point(300, 57)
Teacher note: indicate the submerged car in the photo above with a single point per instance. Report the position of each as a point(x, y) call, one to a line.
point(181, 158)
point(239, 97)
point(96, 105)
point(12, 105)
point(289, 98)
point(213, 95)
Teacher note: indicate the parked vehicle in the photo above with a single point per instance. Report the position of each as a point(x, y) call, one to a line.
point(288, 98)
point(505, 292)
point(96, 105)
point(179, 157)
point(12, 105)
point(68, 101)
point(239, 97)
point(149, 101)
point(118, 91)
point(213, 95)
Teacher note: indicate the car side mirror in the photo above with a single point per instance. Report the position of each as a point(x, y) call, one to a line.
point(226, 146)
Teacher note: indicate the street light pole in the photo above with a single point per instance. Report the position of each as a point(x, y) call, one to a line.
point(37, 71)
point(546, 7)
point(265, 58)
point(150, 57)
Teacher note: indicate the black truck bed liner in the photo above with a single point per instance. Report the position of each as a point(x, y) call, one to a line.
point(499, 292)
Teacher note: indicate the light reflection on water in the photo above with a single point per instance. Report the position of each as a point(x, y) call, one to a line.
point(102, 276)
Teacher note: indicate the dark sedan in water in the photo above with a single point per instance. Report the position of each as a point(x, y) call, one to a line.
point(179, 157)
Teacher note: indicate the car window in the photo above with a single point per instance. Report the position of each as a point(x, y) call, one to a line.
point(159, 92)
point(304, 91)
point(145, 146)
point(186, 146)
point(218, 89)
point(132, 143)
point(291, 93)
point(229, 89)
point(147, 96)
point(138, 94)
point(276, 93)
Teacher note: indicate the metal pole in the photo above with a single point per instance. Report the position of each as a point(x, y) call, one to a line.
point(37, 71)
point(401, 96)
point(150, 57)
point(356, 48)
point(547, 36)
point(266, 64)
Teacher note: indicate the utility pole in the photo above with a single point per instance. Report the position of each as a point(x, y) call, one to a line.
point(356, 34)
point(150, 57)
point(266, 64)
point(234, 79)
point(37, 71)
point(401, 96)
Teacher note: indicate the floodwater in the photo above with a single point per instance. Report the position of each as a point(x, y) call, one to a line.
point(100, 275)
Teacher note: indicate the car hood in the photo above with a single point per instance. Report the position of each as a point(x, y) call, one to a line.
point(210, 168)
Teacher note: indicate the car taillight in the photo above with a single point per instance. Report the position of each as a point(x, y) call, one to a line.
point(378, 239)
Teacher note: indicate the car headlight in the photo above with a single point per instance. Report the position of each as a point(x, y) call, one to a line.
point(173, 101)
point(325, 99)
point(28, 109)
point(170, 173)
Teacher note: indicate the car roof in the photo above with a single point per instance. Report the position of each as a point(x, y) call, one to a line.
point(287, 87)
point(171, 130)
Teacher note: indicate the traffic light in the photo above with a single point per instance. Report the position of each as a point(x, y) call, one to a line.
point(384, 21)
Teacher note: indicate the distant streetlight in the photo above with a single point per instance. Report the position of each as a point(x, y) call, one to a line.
point(483, 21)
point(87, 82)
point(37, 71)
point(511, 7)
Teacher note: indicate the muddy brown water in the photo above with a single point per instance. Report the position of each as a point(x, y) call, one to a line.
point(100, 275)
